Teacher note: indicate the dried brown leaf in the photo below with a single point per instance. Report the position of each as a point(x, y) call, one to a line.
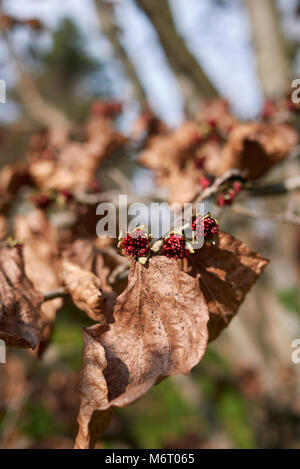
point(74, 165)
point(85, 290)
point(96, 297)
point(20, 315)
point(41, 260)
point(160, 330)
point(226, 272)
point(256, 147)
point(3, 226)
point(168, 153)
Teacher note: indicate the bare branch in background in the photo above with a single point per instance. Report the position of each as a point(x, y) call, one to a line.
point(283, 187)
point(192, 79)
point(110, 30)
point(286, 217)
point(215, 187)
point(37, 107)
point(272, 62)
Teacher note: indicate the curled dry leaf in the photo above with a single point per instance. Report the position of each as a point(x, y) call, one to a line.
point(3, 226)
point(168, 153)
point(256, 147)
point(226, 272)
point(85, 275)
point(217, 111)
point(75, 164)
point(102, 138)
point(147, 126)
point(72, 168)
point(85, 289)
point(21, 324)
point(160, 330)
point(183, 186)
point(12, 178)
point(41, 260)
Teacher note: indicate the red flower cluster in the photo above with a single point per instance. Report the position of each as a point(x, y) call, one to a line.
point(228, 196)
point(41, 200)
point(106, 109)
point(136, 244)
point(206, 227)
point(68, 196)
point(174, 247)
point(205, 182)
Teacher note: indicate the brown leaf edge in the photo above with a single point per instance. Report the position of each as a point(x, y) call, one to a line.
point(160, 330)
point(21, 323)
point(226, 272)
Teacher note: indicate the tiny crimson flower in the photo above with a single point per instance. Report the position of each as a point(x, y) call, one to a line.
point(135, 244)
point(237, 187)
point(206, 227)
point(94, 186)
point(41, 200)
point(174, 247)
point(268, 110)
point(199, 162)
point(196, 140)
point(14, 243)
point(204, 182)
point(212, 123)
point(68, 196)
point(225, 199)
point(106, 109)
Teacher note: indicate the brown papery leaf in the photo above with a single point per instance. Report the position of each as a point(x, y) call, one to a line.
point(96, 296)
point(226, 272)
point(168, 153)
point(160, 330)
point(183, 186)
point(74, 165)
point(85, 290)
point(41, 260)
point(12, 178)
point(3, 226)
point(256, 147)
point(216, 110)
point(20, 315)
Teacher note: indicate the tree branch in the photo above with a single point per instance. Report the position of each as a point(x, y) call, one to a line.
point(280, 218)
point(194, 83)
point(272, 62)
point(37, 107)
point(111, 32)
point(289, 185)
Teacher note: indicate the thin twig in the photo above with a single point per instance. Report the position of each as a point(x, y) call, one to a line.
point(118, 274)
point(59, 293)
point(214, 188)
point(283, 187)
point(280, 218)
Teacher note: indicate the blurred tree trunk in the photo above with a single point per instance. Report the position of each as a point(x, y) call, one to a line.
point(272, 62)
point(194, 83)
point(109, 28)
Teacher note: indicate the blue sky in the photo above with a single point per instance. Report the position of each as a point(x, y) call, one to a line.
point(219, 37)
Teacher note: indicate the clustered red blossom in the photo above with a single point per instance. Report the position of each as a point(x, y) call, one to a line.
point(174, 247)
point(227, 196)
point(206, 227)
point(271, 108)
point(136, 244)
point(66, 194)
point(42, 200)
point(106, 109)
point(205, 182)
